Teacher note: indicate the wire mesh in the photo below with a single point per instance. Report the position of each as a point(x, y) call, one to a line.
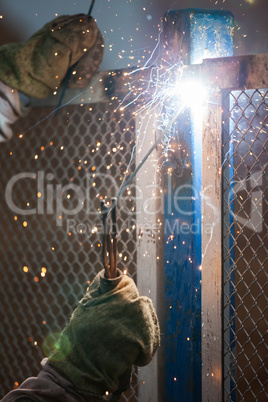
point(245, 245)
point(51, 244)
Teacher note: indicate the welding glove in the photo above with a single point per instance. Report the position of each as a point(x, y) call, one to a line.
point(112, 329)
point(38, 66)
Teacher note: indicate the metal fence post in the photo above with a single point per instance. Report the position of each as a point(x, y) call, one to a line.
point(211, 253)
point(150, 253)
point(189, 36)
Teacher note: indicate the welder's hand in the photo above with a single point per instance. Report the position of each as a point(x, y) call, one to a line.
point(38, 66)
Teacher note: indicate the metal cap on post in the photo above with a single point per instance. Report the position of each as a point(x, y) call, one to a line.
point(194, 34)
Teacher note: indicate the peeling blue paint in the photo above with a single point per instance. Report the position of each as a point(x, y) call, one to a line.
point(210, 35)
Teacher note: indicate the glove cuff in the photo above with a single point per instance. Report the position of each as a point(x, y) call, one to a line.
point(108, 284)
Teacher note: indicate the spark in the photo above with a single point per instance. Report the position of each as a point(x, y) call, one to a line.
point(51, 113)
point(169, 100)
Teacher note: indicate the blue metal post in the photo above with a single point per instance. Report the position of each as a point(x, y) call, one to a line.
point(192, 35)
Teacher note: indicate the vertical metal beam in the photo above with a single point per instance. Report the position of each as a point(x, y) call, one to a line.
point(228, 233)
point(189, 36)
point(150, 253)
point(212, 252)
point(183, 326)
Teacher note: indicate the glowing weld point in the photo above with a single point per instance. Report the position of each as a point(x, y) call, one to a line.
point(191, 92)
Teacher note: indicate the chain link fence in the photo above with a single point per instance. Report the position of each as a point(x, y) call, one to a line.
point(245, 245)
point(55, 171)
